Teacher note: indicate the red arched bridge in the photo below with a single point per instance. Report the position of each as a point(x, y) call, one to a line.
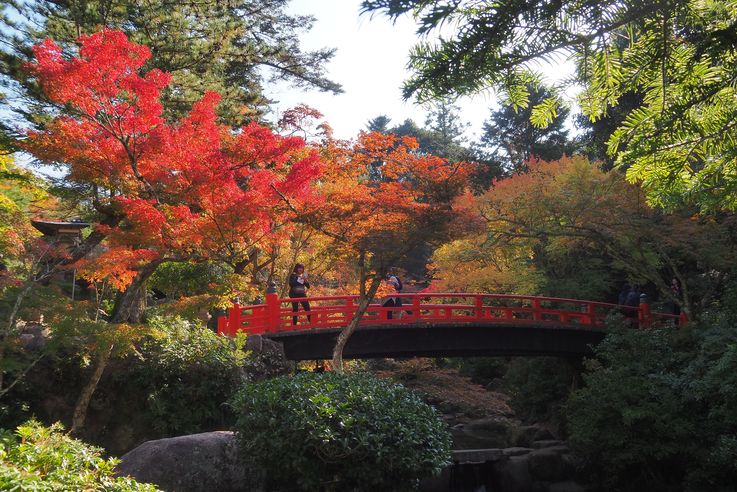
point(437, 324)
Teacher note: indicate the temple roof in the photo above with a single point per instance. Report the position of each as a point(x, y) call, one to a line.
point(55, 227)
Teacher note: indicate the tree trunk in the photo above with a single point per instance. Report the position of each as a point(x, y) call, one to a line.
point(83, 402)
point(130, 304)
point(345, 333)
point(10, 329)
point(128, 309)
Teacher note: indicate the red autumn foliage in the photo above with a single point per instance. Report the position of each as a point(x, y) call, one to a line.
point(189, 189)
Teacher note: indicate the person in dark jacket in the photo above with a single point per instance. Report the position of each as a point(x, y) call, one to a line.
point(633, 301)
point(298, 286)
point(675, 290)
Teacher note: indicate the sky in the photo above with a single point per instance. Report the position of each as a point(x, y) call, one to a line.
point(371, 65)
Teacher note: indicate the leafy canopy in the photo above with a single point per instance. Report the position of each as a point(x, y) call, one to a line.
point(678, 55)
point(160, 191)
point(234, 48)
point(565, 227)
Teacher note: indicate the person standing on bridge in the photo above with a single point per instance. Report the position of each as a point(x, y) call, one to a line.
point(298, 286)
point(394, 284)
point(633, 303)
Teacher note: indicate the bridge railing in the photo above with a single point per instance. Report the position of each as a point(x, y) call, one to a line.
point(277, 315)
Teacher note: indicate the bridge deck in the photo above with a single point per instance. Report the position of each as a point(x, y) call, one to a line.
point(436, 324)
point(453, 339)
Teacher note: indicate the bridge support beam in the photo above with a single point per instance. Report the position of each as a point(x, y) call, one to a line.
point(443, 340)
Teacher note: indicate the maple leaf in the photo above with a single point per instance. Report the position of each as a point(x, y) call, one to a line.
point(187, 189)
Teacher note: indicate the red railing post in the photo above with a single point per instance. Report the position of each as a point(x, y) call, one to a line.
point(416, 308)
point(234, 318)
point(643, 314)
point(591, 311)
point(222, 325)
point(682, 319)
point(273, 306)
point(479, 307)
point(536, 314)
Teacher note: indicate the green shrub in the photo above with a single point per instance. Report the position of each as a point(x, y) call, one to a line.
point(45, 459)
point(339, 432)
point(481, 370)
point(539, 387)
point(176, 381)
point(188, 373)
point(630, 421)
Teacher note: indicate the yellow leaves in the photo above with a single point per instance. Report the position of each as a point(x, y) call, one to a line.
point(555, 208)
point(21, 195)
point(475, 265)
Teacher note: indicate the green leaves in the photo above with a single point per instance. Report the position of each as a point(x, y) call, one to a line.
point(678, 56)
point(234, 48)
point(186, 375)
point(45, 459)
point(339, 432)
point(544, 113)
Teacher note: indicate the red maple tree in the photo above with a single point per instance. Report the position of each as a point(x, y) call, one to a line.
point(163, 191)
point(159, 190)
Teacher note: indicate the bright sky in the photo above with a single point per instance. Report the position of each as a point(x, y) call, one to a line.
point(370, 64)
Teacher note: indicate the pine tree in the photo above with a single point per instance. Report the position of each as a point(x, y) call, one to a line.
point(509, 136)
point(232, 47)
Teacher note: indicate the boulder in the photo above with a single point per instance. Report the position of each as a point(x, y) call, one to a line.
point(482, 433)
point(543, 434)
point(562, 449)
point(476, 455)
point(547, 465)
point(32, 335)
point(207, 461)
point(523, 436)
point(267, 358)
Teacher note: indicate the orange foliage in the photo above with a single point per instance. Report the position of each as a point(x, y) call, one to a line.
point(192, 189)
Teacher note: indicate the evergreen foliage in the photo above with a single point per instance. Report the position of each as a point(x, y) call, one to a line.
point(339, 432)
point(657, 408)
point(187, 375)
point(510, 137)
point(46, 459)
point(678, 55)
point(233, 48)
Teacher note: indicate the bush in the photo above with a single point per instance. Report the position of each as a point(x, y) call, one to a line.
point(658, 408)
point(481, 370)
point(339, 432)
point(630, 420)
point(177, 380)
point(539, 387)
point(45, 459)
point(188, 373)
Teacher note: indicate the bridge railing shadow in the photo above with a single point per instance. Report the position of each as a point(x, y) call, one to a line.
point(277, 315)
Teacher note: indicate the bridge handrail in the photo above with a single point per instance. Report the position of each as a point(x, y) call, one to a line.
point(272, 317)
point(424, 295)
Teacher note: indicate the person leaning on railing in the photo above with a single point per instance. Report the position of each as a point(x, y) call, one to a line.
point(298, 286)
